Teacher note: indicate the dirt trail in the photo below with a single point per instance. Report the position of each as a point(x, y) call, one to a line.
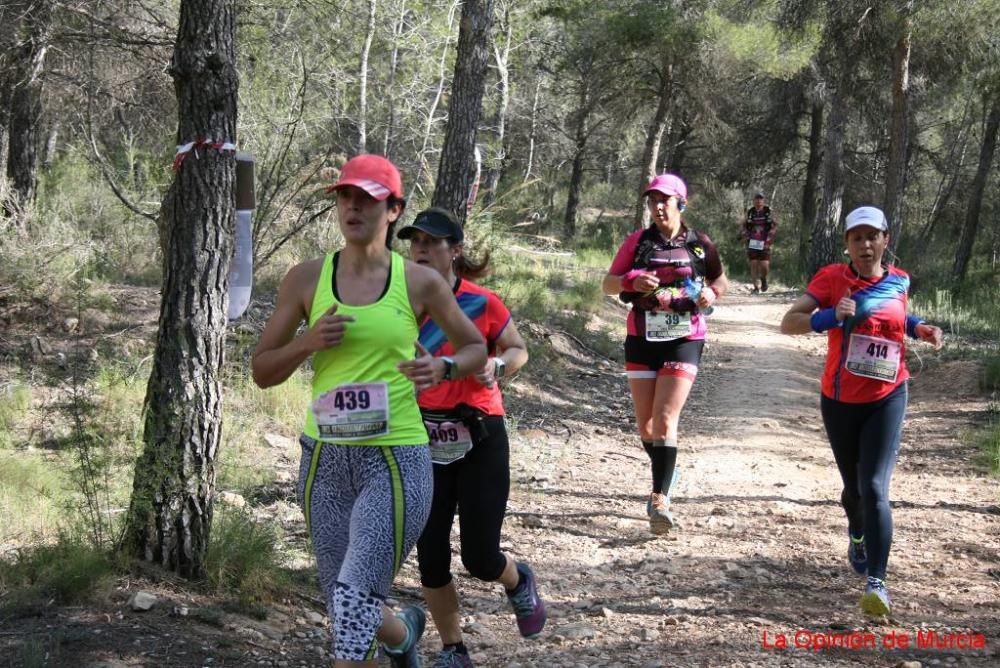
point(762, 544)
point(761, 548)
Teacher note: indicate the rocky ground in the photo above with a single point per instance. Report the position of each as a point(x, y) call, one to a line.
point(760, 556)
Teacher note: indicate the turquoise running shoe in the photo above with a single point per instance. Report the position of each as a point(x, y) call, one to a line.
point(406, 657)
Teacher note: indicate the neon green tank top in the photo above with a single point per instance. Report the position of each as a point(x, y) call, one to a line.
point(359, 396)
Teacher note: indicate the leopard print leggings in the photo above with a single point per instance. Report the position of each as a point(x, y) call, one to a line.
point(365, 507)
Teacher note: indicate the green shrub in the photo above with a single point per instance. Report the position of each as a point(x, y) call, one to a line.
point(15, 399)
point(243, 562)
point(989, 378)
point(988, 441)
point(33, 495)
point(67, 572)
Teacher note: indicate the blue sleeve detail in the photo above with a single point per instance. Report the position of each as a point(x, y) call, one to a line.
point(824, 319)
point(503, 327)
point(911, 326)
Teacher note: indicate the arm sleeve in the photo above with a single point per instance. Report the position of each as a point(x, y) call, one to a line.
point(911, 326)
point(713, 262)
point(623, 259)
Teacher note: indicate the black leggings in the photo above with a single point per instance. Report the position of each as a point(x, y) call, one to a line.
point(865, 441)
point(478, 484)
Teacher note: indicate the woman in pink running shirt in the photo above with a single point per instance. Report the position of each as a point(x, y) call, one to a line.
point(671, 275)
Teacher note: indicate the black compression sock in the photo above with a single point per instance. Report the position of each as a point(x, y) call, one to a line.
point(648, 447)
point(458, 647)
point(669, 450)
point(658, 460)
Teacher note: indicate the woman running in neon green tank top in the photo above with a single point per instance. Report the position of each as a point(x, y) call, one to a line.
point(365, 480)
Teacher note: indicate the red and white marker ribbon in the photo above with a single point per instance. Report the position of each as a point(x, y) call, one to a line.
point(185, 149)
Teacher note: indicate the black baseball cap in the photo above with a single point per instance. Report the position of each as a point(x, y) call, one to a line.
point(759, 195)
point(436, 222)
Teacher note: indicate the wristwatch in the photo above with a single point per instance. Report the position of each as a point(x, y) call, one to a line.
point(499, 367)
point(449, 368)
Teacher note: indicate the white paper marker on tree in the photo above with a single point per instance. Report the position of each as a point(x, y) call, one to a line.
point(241, 269)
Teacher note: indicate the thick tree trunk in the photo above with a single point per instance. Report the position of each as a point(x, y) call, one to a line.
point(895, 178)
point(25, 100)
point(826, 237)
point(810, 191)
point(457, 165)
point(502, 59)
point(171, 511)
point(363, 80)
point(654, 137)
point(986, 151)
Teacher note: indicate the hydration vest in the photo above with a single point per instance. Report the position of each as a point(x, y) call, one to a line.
point(652, 253)
point(753, 216)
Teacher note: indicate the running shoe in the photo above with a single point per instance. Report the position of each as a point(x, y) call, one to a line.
point(450, 658)
point(406, 657)
point(875, 600)
point(528, 605)
point(763, 285)
point(857, 554)
point(661, 520)
point(755, 291)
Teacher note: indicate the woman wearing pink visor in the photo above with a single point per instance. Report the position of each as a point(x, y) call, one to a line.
point(671, 275)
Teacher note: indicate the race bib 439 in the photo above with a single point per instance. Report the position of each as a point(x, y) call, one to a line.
point(350, 412)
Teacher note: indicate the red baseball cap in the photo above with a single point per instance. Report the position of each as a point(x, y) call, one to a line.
point(374, 174)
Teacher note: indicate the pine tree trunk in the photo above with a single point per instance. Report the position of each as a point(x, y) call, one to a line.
point(576, 178)
point(397, 35)
point(25, 100)
point(825, 237)
point(502, 60)
point(895, 178)
point(171, 510)
point(810, 191)
point(363, 79)
point(457, 165)
point(969, 229)
point(654, 137)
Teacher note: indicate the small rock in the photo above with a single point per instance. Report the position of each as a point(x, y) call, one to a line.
point(232, 499)
point(909, 664)
point(577, 631)
point(475, 628)
point(315, 618)
point(607, 612)
point(277, 440)
point(141, 601)
point(649, 635)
